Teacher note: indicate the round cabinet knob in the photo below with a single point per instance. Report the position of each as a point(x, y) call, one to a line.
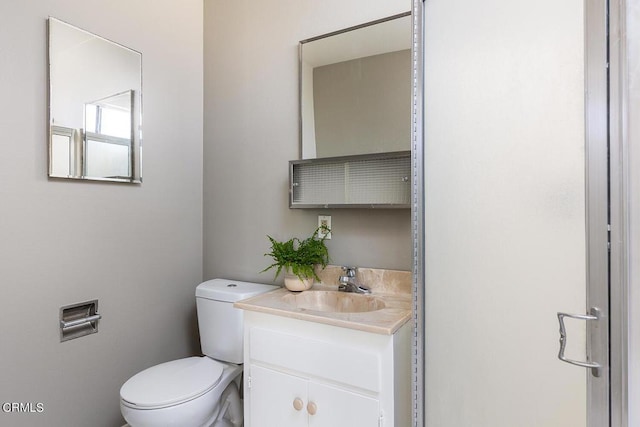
point(312, 408)
point(297, 404)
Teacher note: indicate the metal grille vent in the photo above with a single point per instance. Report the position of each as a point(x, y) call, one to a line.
point(381, 180)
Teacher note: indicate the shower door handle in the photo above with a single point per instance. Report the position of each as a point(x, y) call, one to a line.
point(594, 315)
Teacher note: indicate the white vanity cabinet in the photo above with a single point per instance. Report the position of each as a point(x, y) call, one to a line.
point(299, 373)
point(279, 399)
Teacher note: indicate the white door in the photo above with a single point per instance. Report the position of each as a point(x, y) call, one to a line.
point(283, 400)
point(272, 399)
point(335, 407)
point(511, 232)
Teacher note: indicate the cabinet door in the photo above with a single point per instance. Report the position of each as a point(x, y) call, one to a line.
point(272, 399)
point(335, 407)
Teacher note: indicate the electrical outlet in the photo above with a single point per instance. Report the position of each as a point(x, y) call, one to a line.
point(324, 221)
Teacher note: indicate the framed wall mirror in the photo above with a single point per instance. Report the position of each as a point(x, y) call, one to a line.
point(95, 107)
point(355, 90)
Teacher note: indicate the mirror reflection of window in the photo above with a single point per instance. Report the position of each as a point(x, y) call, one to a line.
point(110, 116)
point(115, 122)
point(108, 136)
point(61, 154)
point(107, 159)
point(66, 151)
point(94, 117)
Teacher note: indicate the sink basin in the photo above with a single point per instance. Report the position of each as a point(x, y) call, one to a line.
point(334, 301)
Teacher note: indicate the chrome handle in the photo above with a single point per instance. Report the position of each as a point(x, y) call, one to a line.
point(594, 315)
point(78, 322)
point(349, 271)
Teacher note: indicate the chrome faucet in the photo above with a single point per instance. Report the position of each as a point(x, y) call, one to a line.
point(347, 282)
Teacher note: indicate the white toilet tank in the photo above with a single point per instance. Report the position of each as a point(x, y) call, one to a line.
point(220, 324)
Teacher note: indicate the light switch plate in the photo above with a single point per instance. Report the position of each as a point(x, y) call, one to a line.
point(324, 220)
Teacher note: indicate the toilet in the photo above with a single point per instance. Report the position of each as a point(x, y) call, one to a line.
point(197, 391)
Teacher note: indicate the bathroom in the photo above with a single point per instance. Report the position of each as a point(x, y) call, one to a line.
point(214, 185)
point(217, 141)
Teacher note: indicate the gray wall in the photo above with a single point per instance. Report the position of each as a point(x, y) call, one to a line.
point(251, 131)
point(363, 105)
point(138, 249)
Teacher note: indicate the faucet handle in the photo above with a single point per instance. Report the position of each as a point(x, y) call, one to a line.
point(350, 271)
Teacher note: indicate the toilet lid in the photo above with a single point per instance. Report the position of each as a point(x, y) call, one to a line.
point(172, 382)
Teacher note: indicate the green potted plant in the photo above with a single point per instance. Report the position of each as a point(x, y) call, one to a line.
point(298, 258)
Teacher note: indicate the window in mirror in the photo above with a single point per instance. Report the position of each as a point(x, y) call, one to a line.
point(108, 136)
point(62, 151)
point(95, 104)
point(355, 90)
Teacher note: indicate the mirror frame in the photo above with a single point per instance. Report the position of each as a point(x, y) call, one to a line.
point(135, 154)
point(300, 69)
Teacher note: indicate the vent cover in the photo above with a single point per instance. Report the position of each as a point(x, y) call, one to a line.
point(363, 181)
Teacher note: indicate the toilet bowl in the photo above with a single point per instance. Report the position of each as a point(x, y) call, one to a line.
point(197, 391)
point(183, 393)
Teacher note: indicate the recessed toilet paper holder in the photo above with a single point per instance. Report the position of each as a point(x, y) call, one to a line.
point(78, 320)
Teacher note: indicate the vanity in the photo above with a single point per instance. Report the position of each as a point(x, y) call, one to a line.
point(324, 357)
point(328, 358)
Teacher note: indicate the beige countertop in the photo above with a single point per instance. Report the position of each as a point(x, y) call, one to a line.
point(392, 287)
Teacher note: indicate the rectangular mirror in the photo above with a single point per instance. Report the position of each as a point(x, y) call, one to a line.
point(95, 107)
point(355, 90)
